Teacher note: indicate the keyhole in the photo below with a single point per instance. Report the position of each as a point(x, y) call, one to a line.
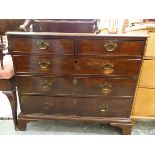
point(75, 81)
point(75, 61)
point(76, 65)
point(42, 43)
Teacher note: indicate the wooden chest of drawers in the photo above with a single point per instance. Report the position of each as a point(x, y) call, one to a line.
point(82, 77)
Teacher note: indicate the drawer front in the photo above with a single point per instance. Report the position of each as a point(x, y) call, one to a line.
point(70, 65)
point(111, 47)
point(147, 77)
point(54, 46)
point(76, 85)
point(76, 106)
point(144, 105)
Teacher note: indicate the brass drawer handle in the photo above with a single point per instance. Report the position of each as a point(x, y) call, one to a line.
point(42, 44)
point(103, 107)
point(45, 84)
point(110, 46)
point(106, 88)
point(44, 64)
point(47, 106)
point(108, 68)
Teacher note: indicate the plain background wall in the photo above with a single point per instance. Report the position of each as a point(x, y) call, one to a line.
point(5, 108)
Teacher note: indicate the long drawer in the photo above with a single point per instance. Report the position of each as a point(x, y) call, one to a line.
point(75, 106)
point(76, 65)
point(76, 85)
point(39, 45)
point(111, 47)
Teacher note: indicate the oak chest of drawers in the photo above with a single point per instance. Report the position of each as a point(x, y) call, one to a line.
point(79, 77)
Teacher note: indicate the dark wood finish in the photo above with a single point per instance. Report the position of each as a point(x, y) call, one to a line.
point(11, 95)
point(9, 25)
point(124, 123)
point(82, 86)
point(76, 106)
point(66, 81)
point(1, 51)
point(86, 47)
point(22, 124)
point(60, 25)
point(66, 25)
point(55, 46)
point(76, 65)
point(124, 48)
point(126, 128)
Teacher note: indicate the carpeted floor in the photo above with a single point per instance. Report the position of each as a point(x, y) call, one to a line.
point(73, 128)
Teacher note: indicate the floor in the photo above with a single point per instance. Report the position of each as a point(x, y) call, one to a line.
point(65, 127)
point(73, 128)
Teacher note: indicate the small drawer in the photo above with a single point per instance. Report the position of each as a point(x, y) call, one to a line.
point(147, 77)
point(76, 106)
point(144, 105)
point(82, 65)
point(81, 86)
point(111, 47)
point(41, 45)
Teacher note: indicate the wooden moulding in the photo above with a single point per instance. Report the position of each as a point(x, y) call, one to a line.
point(125, 124)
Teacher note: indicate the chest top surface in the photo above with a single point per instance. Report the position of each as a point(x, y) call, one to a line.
point(72, 35)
